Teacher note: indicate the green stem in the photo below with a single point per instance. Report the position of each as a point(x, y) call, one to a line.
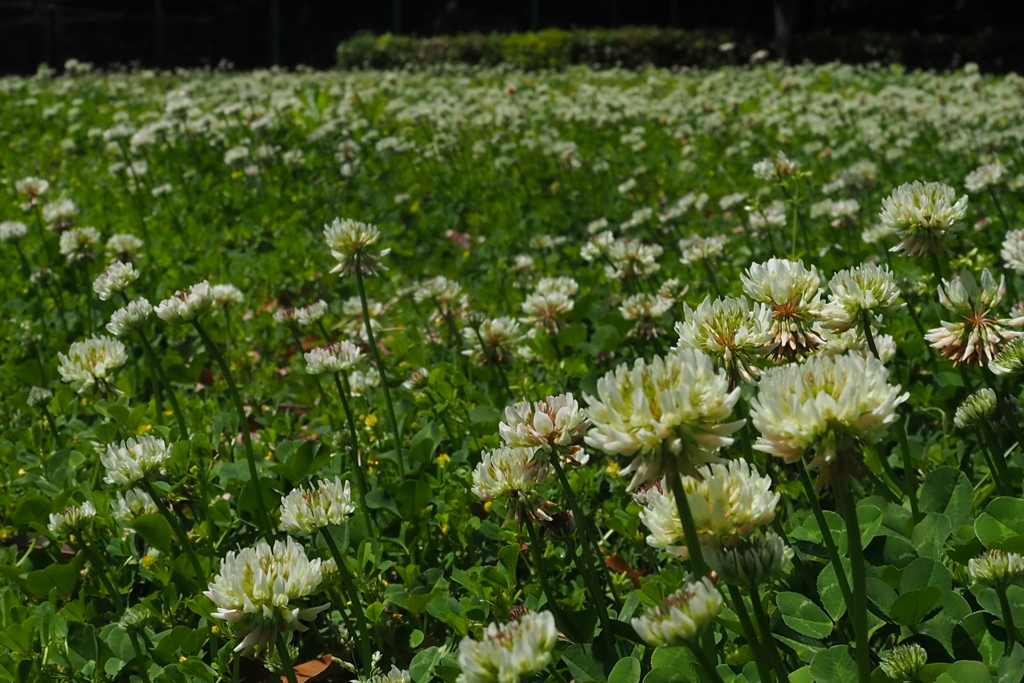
point(158, 369)
point(586, 563)
point(858, 611)
point(365, 630)
point(781, 672)
point(286, 660)
point(375, 352)
point(103, 570)
point(689, 527)
point(261, 504)
point(1011, 629)
point(740, 608)
point(865, 321)
point(53, 426)
point(826, 536)
point(143, 671)
point(183, 539)
point(709, 668)
point(537, 550)
point(996, 460)
point(909, 470)
point(357, 466)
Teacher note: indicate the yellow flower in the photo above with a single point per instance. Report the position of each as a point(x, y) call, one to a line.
point(487, 505)
point(148, 562)
point(370, 420)
point(444, 528)
point(168, 412)
point(443, 459)
point(144, 428)
point(611, 469)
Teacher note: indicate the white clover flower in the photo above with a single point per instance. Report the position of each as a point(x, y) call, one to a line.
point(751, 562)
point(39, 396)
point(793, 293)
point(977, 336)
point(31, 186)
point(631, 258)
point(645, 309)
point(684, 615)
point(261, 589)
point(122, 245)
point(564, 285)
point(822, 403)
point(547, 309)
point(728, 502)
point(515, 473)
point(91, 361)
point(130, 317)
point(774, 169)
point(396, 675)
point(730, 200)
point(771, 216)
point(235, 155)
point(984, 177)
point(509, 651)
point(72, 520)
point(904, 662)
point(996, 568)
point(1012, 250)
point(875, 233)
point(186, 305)
point(337, 357)
point(134, 458)
point(307, 315)
point(866, 289)
point(736, 334)
point(132, 504)
point(59, 212)
point(500, 337)
point(114, 279)
point(854, 340)
point(350, 243)
point(304, 511)
point(1010, 360)
point(696, 250)
point(439, 289)
point(671, 410)
point(359, 381)
point(597, 246)
point(555, 421)
point(597, 225)
point(925, 214)
point(226, 294)
point(12, 231)
point(77, 244)
point(977, 407)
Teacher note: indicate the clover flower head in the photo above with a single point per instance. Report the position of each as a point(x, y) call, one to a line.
point(984, 177)
point(701, 248)
point(12, 231)
point(77, 244)
point(645, 309)
point(32, 186)
point(555, 421)
point(39, 396)
point(307, 315)
point(350, 243)
point(823, 403)
point(996, 568)
point(925, 215)
point(134, 458)
point(186, 305)
point(977, 336)
point(439, 289)
point(566, 285)
point(867, 289)
point(123, 245)
point(683, 616)
point(631, 258)
point(513, 472)
point(669, 411)
point(226, 294)
point(114, 279)
point(304, 511)
point(1012, 250)
point(59, 213)
point(904, 662)
point(495, 341)
point(396, 675)
point(977, 407)
point(509, 651)
point(793, 293)
point(736, 334)
point(728, 502)
point(1010, 359)
point(547, 309)
point(91, 361)
point(337, 357)
point(749, 563)
point(262, 588)
point(130, 317)
point(132, 504)
point(774, 168)
point(72, 520)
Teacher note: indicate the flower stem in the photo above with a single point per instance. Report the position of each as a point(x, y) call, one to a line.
point(183, 538)
point(138, 656)
point(740, 608)
point(909, 471)
point(158, 369)
point(364, 628)
point(357, 466)
point(1011, 629)
point(865, 321)
point(537, 550)
point(586, 560)
point(689, 527)
point(858, 611)
point(709, 668)
point(261, 504)
point(826, 536)
point(375, 352)
point(104, 573)
point(781, 672)
point(286, 660)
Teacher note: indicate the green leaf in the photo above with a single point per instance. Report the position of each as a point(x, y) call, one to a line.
point(834, 665)
point(626, 670)
point(947, 491)
point(869, 520)
point(62, 577)
point(965, 672)
point(482, 414)
point(930, 534)
point(914, 605)
point(831, 595)
point(426, 441)
point(803, 616)
point(582, 664)
point(155, 529)
point(925, 571)
point(422, 666)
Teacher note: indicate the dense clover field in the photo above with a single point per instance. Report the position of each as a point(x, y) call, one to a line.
point(487, 375)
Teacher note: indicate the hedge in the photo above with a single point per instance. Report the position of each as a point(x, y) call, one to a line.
point(639, 46)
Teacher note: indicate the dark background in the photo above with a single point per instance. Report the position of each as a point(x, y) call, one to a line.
point(191, 33)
